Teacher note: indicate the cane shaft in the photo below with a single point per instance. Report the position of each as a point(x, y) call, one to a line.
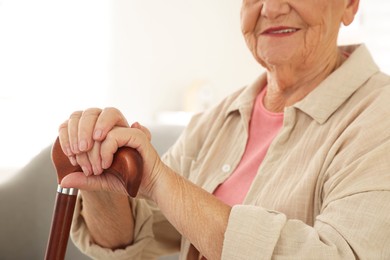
point(60, 226)
point(127, 166)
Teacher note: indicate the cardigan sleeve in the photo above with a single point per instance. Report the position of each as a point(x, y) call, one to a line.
point(353, 227)
point(354, 220)
point(153, 235)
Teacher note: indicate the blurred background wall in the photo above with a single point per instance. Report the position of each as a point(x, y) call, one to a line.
point(158, 61)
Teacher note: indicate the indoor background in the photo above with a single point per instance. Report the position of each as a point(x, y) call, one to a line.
point(158, 61)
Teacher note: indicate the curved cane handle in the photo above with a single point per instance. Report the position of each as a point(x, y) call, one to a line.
point(127, 166)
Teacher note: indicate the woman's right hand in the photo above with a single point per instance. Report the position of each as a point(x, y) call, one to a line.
point(83, 128)
point(91, 138)
point(80, 137)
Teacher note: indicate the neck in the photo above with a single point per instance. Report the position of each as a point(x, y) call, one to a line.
point(287, 86)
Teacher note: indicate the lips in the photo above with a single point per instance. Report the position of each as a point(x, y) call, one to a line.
point(280, 30)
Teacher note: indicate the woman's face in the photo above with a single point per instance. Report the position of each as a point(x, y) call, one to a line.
point(294, 32)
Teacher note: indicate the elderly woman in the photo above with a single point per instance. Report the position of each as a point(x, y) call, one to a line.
point(294, 166)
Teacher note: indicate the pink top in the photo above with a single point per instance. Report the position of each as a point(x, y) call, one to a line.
point(263, 127)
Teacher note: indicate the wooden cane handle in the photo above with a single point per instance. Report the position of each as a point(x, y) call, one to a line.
point(127, 166)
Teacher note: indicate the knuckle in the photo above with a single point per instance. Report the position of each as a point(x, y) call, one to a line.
point(63, 126)
point(110, 136)
point(117, 115)
point(111, 110)
point(82, 159)
point(94, 111)
point(76, 114)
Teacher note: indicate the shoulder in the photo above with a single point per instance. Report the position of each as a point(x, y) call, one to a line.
point(374, 95)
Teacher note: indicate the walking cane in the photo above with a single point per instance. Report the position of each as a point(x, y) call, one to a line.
point(127, 166)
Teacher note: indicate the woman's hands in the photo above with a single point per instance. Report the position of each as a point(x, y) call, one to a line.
point(79, 134)
point(90, 138)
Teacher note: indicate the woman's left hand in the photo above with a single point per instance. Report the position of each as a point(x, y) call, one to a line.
point(137, 137)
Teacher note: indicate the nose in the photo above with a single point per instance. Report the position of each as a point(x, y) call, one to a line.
point(272, 9)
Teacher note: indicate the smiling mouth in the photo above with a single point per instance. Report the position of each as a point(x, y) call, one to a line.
point(280, 31)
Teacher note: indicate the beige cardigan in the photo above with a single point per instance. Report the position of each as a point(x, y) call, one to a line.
point(322, 191)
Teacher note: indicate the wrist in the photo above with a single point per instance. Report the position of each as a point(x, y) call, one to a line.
point(164, 182)
point(108, 218)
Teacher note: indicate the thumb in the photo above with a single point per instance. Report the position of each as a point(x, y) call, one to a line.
point(103, 182)
point(76, 180)
point(143, 129)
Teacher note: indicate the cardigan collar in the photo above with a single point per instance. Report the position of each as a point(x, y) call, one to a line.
point(328, 96)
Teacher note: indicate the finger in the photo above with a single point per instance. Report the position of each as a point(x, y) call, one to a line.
point(134, 138)
point(73, 160)
point(108, 119)
point(73, 128)
point(63, 137)
point(86, 126)
point(95, 159)
point(143, 129)
point(119, 137)
point(104, 182)
point(83, 160)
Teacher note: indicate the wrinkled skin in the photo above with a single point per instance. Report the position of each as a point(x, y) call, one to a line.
point(297, 61)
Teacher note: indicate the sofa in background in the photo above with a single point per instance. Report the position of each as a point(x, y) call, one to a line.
point(27, 202)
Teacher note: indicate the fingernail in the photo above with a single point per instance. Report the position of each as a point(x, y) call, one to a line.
point(68, 151)
point(72, 160)
point(76, 148)
point(97, 170)
point(85, 170)
point(83, 145)
point(104, 165)
point(98, 133)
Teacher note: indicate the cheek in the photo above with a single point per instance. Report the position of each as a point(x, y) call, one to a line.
point(313, 37)
point(319, 32)
point(311, 44)
point(322, 34)
point(322, 21)
point(250, 13)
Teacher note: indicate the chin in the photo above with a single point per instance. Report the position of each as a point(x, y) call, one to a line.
point(273, 61)
point(275, 54)
point(280, 54)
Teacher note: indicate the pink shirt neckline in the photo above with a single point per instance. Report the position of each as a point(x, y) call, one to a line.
point(263, 127)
